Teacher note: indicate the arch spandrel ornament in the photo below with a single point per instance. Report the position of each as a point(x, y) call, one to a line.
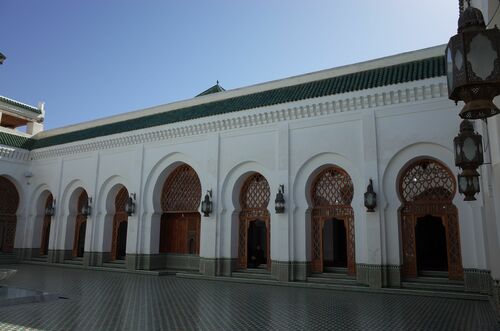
point(9, 202)
point(332, 192)
point(254, 199)
point(427, 187)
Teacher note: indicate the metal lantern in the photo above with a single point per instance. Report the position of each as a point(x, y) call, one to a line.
point(206, 204)
point(468, 184)
point(468, 147)
point(473, 65)
point(370, 198)
point(279, 202)
point(51, 210)
point(87, 209)
point(130, 205)
point(2, 58)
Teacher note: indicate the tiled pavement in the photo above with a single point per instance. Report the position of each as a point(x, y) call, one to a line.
point(100, 300)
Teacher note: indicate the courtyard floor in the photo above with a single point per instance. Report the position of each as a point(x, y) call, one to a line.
point(98, 300)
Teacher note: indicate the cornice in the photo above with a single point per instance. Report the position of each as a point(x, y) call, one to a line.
point(267, 115)
point(12, 153)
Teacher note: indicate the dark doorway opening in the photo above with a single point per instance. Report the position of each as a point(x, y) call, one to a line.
point(121, 241)
point(334, 244)
point(81, 239)
point(257, 244)
point(430, 237)
point(45, 240)
point(2, 235)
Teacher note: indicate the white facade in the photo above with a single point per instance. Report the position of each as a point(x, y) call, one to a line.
point(370, 133)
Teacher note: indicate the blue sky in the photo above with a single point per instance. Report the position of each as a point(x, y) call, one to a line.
point(89, 59)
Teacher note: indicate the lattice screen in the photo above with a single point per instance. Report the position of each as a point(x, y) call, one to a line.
point(427, 180)
point(181, 191)
point(255, 192)
point(9, 198)
point(332, 186)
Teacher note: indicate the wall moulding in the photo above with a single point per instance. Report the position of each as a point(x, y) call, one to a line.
point(261, 116)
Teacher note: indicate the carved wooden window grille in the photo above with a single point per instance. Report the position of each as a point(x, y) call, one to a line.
point(9, 202)
point(181, 191)
point(254, 199)
point(255, 192)
point(332, 186)
point(119, 217)
point(331, 193)
point(46, 227)
point(427, 180)
point(80, 220)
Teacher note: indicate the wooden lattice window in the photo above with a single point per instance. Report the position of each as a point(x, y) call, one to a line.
point(255, 193)
point(9, 198)
point(9, 201)
point(181, 191)
point(44, 246)
point(332, 187)
point(118, 244)
point(427, 180)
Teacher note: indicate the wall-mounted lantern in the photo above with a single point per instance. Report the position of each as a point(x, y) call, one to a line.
point(2, 58)
point(279, 202)
point(87, 208)
point(468, 184)
point(468, 147)
point(468, 156)
point(473, 66)
point(206, 204)
point(51, 210)
point(130, 205)
point(370, 198)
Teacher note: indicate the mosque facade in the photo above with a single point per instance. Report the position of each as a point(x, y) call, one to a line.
point(318, 140)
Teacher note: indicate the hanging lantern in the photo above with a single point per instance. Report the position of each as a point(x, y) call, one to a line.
point(468, 184)
point(468, 147)
point(370, 198)
point(279, 202)
point(87, 209)
point(473, 65)
point(51, 210)
point(130, 205)
point(206, 204)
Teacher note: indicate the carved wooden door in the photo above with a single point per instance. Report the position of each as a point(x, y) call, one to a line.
point(80, 224)
point(119, 217)
point(9, 201)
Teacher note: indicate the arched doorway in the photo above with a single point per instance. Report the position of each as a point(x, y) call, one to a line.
point(254, 249)
point(180, 221)
point(9, 201)
point(332, 227)
point(120, 223)
point(47, 219)
point(80, 226)
point(430, 229)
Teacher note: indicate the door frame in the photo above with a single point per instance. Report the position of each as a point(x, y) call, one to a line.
point(246, 217)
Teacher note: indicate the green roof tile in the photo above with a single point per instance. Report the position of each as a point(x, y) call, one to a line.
point(20, 105)
point(13, 140)
point(400, 73)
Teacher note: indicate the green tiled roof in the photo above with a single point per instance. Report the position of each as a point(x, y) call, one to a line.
point(400, 73)
point(214, 89)
point(20, 104)
point(13, 140)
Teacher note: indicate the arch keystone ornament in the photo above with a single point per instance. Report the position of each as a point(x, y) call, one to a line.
point(331, 193)
point(427, 188)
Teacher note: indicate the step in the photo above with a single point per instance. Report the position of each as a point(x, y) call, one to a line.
point(340, 270)
point(434, 280)
point(113, 264)
point(331, 275)
point(333, 281)
point(432, 273)
point(254, 270)
point(432, 287)
point(40, 259)
point(251, 275)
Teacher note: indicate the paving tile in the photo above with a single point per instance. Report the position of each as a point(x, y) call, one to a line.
point(98, 300)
